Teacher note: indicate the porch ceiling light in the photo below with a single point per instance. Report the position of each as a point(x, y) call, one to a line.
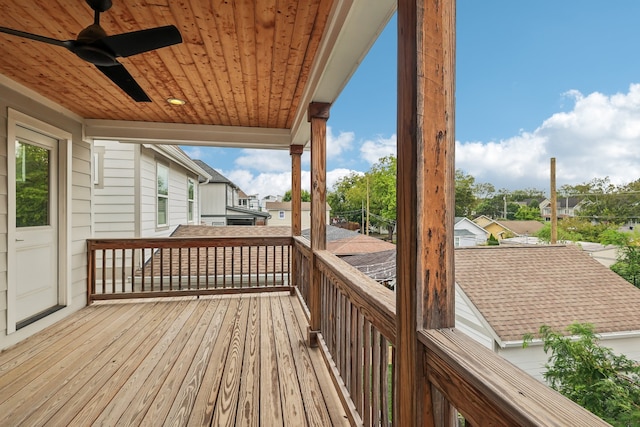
point(176, 101)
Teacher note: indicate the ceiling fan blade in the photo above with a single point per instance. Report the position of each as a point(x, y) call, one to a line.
point(121, 77)
point(135, 42)
point(49, 40)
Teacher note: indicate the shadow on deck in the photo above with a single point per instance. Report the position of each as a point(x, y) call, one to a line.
point(223, 360)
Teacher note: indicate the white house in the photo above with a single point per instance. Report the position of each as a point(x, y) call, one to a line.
point(143, 190)
point(468, 233)
point(281, 212)
point(224, 203)
point(505, 292)
point(566, 207)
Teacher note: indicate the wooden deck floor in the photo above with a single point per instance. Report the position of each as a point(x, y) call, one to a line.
point(218, 361)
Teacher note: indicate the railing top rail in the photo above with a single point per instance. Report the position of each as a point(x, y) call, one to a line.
point(488, 390)
point(376, 302)
point(303, 244)
point(187, 242)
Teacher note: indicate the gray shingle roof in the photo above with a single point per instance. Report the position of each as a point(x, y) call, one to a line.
point(519, 288)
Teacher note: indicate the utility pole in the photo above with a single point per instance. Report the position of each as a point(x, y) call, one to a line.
point(367, 229)
point(554, 203)
point(504, 200)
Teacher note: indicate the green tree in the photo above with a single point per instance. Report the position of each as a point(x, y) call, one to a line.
point(304, 195)
point(577, 230)
point(348, 196)
point(464, 189)
point(591, 375)
point(627, 264)
point(528, 213)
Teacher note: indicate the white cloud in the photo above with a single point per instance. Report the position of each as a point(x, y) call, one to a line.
point(599, 137)
point(277, 184)
point(264, 160)
point(338, 144)
point(373, 150)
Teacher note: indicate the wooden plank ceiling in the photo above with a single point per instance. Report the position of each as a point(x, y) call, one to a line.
point(241, 63)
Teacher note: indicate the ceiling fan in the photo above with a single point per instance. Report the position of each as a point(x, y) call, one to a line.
point(95, 46)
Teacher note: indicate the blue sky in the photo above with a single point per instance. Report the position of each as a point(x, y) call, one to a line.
point(534, 80)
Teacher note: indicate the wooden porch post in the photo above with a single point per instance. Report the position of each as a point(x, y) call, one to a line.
point(296, 186)
point(425, 279)
point(296, 206)
point(318, 116)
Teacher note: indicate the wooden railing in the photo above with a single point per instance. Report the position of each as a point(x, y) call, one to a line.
point(302, 261)
point(358, 333)
point(130, 268)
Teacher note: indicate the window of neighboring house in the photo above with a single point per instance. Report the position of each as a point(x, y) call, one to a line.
point(162, 206)
point(281, 214)
point(191, 191)
point(457, 242)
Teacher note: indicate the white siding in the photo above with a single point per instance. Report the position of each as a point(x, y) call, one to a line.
point(177, 194)
point(213, 203)
point(470, 323)
point(532, 359)
point(114, 196)
point(75, 224)
point(479, 232)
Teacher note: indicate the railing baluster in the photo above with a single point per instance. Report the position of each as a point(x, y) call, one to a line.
point(189, 268)
point(384, 380)
point(375, 392)
point(104, 270)
point(144, 267)
point(215, 275)
point(356, 357)
point(170, 269)
point(366, 342)
point(224, 267)
point(153, 273)
point(161, 269)
point(198, 267)
point(241, 265)
point(206, 278)
point(113, 270)
point(180, 268)
point(133, 270)
point(274, 266)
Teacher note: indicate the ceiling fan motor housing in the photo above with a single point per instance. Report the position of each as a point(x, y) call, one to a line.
point(88, 47)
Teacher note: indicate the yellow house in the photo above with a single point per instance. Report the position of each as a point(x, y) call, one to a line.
point(504, 229)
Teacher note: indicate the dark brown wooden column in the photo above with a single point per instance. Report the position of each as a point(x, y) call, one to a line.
point(296, 187)
point(425, 282)
point(296, 206)
point(318, 116)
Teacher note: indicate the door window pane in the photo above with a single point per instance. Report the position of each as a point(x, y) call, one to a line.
point(32, 185)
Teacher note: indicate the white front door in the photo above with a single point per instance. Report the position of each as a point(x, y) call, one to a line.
point(36, 225)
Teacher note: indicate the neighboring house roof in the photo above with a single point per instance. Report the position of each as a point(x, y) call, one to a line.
point(245, 211)
point(216, 177)
point(563, 202)
point(483, 220)
point(343, 242)
point(230, 231)
point(380, 266)
point(461, 221)
point(518, 228)
point(286, 206)
point(175, 153)
point(517, 289)
point(522, 228)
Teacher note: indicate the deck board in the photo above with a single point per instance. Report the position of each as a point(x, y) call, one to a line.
point(224, 360)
